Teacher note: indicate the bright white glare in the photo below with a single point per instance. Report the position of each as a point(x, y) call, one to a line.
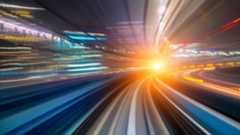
point(158, 65)
point(162, 10)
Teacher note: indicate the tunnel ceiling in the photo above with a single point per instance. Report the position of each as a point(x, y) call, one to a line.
point(137, 24)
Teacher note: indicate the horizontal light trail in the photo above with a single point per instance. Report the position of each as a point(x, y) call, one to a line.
point(83, 65)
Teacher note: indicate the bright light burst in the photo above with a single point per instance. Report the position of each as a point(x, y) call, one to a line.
point(158, 65)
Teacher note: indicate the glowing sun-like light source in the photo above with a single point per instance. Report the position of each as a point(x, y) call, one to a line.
point(158, 66)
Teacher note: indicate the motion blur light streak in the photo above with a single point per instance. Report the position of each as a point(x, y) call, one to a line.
point(119, 67)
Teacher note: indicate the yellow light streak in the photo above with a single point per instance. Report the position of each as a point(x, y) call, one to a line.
point(20, 38)
point(196, 80)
